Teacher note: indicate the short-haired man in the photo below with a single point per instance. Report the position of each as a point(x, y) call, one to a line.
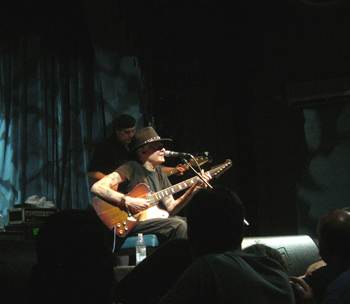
point(113, 152)
point(221, 273)
point(330, 283)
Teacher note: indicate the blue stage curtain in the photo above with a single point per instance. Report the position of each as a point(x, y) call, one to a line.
point(51, 114)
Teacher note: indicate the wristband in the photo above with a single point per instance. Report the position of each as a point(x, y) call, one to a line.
point(122, 201)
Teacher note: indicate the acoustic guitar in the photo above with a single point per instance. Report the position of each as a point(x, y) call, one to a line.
point(122, 219)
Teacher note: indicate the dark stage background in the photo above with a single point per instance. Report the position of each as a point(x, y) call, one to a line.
point(217, 76)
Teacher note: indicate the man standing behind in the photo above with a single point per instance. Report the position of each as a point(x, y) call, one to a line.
point(113, 152)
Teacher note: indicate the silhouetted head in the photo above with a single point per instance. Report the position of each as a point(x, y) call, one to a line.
point(123, 121)
point(334, 237)
point(269, 251)
point(215, 219)
point(124, 127)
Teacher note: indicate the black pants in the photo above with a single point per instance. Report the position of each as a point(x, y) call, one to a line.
point(165, 229)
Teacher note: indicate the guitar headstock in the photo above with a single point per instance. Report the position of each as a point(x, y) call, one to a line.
point(216, 171)
point(201, 159)
point(197, 161)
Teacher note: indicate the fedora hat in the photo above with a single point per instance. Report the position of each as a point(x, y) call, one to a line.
point(145, 136)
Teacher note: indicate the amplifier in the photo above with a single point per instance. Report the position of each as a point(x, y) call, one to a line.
point(28, 215)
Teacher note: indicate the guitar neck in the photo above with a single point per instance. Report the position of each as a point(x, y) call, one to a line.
point(198, 161)
point(174, 171)
point(155, 197)
point(215, 172)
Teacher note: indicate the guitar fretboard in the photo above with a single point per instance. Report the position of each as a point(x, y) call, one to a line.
point(155, 197)
point(171, 172)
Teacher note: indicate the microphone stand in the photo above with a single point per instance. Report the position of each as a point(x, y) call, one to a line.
point(197, 173)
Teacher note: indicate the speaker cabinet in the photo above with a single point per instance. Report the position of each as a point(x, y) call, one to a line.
point(17, 257)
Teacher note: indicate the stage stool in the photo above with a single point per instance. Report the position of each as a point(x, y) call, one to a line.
point(127, 253)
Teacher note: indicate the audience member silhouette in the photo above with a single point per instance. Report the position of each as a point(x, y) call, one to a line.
point(320, 263)
point(74, 260)
point(221, 272)
point(269, 251)
point(334, 246)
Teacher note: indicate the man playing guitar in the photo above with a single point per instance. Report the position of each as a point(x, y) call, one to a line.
point(147, 153)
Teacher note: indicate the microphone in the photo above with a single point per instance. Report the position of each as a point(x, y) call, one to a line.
point(174, 154)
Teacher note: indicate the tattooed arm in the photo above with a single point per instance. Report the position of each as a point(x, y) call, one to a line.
point(104, 188)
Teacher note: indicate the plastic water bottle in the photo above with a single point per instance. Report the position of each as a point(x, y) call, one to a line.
point(2, 221)
point(140, 248)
